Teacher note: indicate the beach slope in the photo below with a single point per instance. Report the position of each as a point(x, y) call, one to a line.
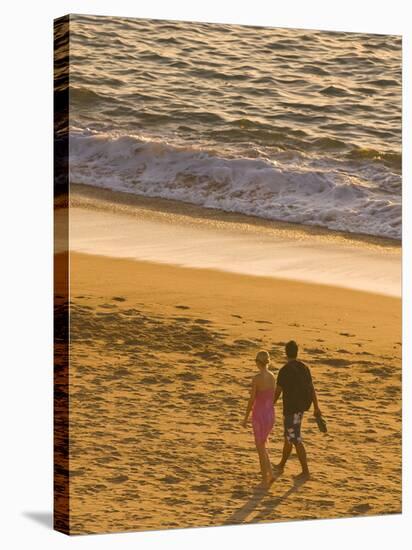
point(161, 362)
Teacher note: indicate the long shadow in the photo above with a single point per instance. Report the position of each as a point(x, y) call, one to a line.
point(43, 518)
point(239, 516)
point(273, 503)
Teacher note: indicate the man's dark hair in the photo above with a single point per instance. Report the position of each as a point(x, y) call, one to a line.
point(291, 349)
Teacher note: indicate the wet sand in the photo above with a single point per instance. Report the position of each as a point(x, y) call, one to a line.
point(161, 361)
point(165, 231)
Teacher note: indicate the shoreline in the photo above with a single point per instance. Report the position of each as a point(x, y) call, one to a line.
point(155, 230)
point(88, 196)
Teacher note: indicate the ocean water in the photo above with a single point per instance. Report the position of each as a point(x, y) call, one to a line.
point(301, 126)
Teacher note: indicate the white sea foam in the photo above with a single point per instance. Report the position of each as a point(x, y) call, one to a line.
point(312, 193)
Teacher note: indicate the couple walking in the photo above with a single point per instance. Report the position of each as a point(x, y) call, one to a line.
point(294, 383)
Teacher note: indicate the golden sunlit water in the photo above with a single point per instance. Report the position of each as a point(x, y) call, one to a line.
point(294, 125)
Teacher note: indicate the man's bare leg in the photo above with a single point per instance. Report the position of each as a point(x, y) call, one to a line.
point(287, 449)
point(301, 452)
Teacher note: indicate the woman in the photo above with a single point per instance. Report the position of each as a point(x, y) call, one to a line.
point(263, 415)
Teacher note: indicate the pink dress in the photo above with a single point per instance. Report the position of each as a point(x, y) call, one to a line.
point(263, 415)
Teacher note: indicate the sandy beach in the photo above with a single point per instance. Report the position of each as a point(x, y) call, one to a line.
point(161, 361)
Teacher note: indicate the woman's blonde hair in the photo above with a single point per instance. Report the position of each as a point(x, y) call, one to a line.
point(263, 357)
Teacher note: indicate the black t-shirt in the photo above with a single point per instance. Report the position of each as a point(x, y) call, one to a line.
point(291, 378)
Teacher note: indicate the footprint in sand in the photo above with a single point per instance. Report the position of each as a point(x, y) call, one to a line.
point(119, 298)
point(383, 372)
point(245, 343)
point(106, 459)
point(130, 440)
point(202, 488)
point(120, 372)
point(209, 355)
point(77, 473)
point(232, 401)
point(239, 494)
point(335, 362)
point(170, 480)
point(325, 503)
point(361, 508)
point(100, 486)
point(117, 479)
point(316, 351)
point(149, 380)
point(182, 307)
point(188, 376)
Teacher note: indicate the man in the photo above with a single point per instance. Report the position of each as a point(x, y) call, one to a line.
point(294, 383)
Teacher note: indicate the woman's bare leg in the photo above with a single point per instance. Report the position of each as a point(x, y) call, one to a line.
point(269, 471)
point(262, 461)
point(287, 449)
point(265, 466)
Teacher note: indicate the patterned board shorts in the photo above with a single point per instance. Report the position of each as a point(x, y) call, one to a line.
point(292, 424)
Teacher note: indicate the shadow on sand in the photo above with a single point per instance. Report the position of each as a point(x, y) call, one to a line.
point(259, 493)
